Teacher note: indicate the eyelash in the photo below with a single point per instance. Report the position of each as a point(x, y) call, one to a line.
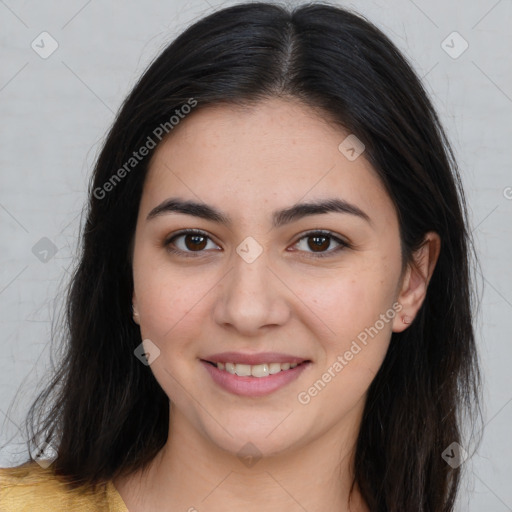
point(325, 254)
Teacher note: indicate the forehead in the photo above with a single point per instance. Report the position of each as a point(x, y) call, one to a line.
point(249, 159)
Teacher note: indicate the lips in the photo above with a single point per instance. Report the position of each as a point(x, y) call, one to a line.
point(254, 375)
point(254, 385)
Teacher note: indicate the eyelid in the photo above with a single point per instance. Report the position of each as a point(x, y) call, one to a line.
point(343, 244)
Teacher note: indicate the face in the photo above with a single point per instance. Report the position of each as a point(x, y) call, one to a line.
point(314, 287)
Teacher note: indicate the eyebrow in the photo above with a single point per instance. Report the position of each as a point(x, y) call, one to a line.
point(279, 217)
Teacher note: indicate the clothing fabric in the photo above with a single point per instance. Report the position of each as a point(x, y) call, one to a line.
point(32, 488)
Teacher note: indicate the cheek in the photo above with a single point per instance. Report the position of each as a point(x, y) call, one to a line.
point(172, 315)
point(170, 300)
point(357, 306)
point(352, 300)
point(359, 310)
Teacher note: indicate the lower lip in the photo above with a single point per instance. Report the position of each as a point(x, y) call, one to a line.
point(254, 386)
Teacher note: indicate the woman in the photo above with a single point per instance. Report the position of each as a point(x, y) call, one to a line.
point(272, 307)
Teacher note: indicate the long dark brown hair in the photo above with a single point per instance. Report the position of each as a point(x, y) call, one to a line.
point(104, 411)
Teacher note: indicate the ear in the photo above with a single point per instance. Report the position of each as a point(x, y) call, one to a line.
point(415, 280)
point(135, 309)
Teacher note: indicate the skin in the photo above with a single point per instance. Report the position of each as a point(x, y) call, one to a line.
point(248, 163)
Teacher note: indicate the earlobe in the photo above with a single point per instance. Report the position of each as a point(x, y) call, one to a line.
point(415, 282)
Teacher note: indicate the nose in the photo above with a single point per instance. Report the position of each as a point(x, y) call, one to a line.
point(251, 298)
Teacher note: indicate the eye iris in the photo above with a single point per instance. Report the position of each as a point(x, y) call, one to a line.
point(319, 243)
point(198, 241)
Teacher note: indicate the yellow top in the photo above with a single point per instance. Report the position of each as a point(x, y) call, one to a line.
point(30, 488)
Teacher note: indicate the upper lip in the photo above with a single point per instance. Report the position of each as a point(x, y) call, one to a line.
point(252, 359)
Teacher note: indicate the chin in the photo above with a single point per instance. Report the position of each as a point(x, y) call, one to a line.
point(248, 439)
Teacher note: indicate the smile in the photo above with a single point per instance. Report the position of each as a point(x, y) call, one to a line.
point(253, 380)
point(256, 370)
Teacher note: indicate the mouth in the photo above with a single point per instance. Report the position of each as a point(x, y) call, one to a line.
point(254, 370)
point(254, 380)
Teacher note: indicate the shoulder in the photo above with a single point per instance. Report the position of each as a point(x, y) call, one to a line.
point(31, 488)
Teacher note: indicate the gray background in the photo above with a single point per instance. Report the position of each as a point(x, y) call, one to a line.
point(55, 113)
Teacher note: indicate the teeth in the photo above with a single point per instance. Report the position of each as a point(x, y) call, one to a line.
point(260, 370)
point(256, 370)
point(243, 370)
point(274, 368)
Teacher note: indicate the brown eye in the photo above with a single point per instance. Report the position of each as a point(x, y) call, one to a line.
point(188, 242)
point(319, 242)
point(195, 242)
